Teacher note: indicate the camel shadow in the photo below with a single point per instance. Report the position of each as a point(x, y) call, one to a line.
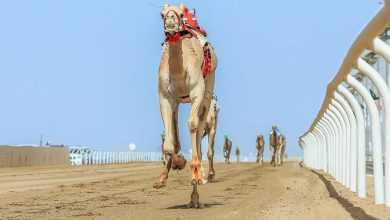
point(356, 212)
point(203, 206)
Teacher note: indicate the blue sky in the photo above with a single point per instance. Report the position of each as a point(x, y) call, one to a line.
point(85, 72)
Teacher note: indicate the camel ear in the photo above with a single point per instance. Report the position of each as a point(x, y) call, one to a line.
point(165, 6)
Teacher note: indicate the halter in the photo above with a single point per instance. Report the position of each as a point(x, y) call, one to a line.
point(177, 16)
point(178, 35)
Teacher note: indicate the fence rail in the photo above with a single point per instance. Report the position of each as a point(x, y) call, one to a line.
point(98, 157)
point(336, 140)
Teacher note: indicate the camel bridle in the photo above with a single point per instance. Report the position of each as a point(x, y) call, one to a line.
point(179, 18)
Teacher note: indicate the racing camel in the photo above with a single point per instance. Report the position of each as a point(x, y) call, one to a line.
point(260, 149)
point(186, 75)
point(227, 149)
point(273, 143)
point(238, 152)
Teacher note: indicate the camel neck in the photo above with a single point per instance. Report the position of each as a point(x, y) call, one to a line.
point(176, 57)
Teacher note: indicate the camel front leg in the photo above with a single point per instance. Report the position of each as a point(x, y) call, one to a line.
point(196, 125)
point(167, 106)
point(198, 112)
point(210, 154)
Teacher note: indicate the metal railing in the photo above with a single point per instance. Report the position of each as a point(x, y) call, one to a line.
point(336, 140)
point(100, 157)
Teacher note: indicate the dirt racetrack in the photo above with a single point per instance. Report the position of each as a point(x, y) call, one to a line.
point(244, 191)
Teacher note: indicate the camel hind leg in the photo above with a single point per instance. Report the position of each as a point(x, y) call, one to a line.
point(278, 156)
point(260, 157)
point(210, 154)
point(282, 154)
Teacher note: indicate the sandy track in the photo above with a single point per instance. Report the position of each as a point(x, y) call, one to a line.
point(244, 191)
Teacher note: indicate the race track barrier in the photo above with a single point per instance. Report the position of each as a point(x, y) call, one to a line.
point(25, 156)
point(98, 157)
point(336, 140)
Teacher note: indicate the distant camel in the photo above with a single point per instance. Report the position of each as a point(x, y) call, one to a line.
point(260, 149)
point(227, 148)
point(280, 150)
point(273, 143)
point(238, 154)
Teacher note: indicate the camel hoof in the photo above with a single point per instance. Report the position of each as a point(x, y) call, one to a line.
point(178, 162)
point(194, 205)
point(202, 181)
point(159, 185)
point(194, 201)
point(211, 177)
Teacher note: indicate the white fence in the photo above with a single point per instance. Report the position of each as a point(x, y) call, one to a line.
point(336, 140)
point(97, 157)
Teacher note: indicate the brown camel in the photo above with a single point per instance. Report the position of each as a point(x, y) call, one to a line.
point(186, 75)
point(260, 149)
point(227, 148)
point(238, 152)
point(273, 143)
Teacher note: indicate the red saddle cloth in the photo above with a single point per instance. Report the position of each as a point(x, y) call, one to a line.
point(191, 21)
point(206, 65)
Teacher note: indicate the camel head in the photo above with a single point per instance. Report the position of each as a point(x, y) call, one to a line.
point(172, 16)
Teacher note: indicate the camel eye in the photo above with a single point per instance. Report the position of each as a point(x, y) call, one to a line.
point(162, 15)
